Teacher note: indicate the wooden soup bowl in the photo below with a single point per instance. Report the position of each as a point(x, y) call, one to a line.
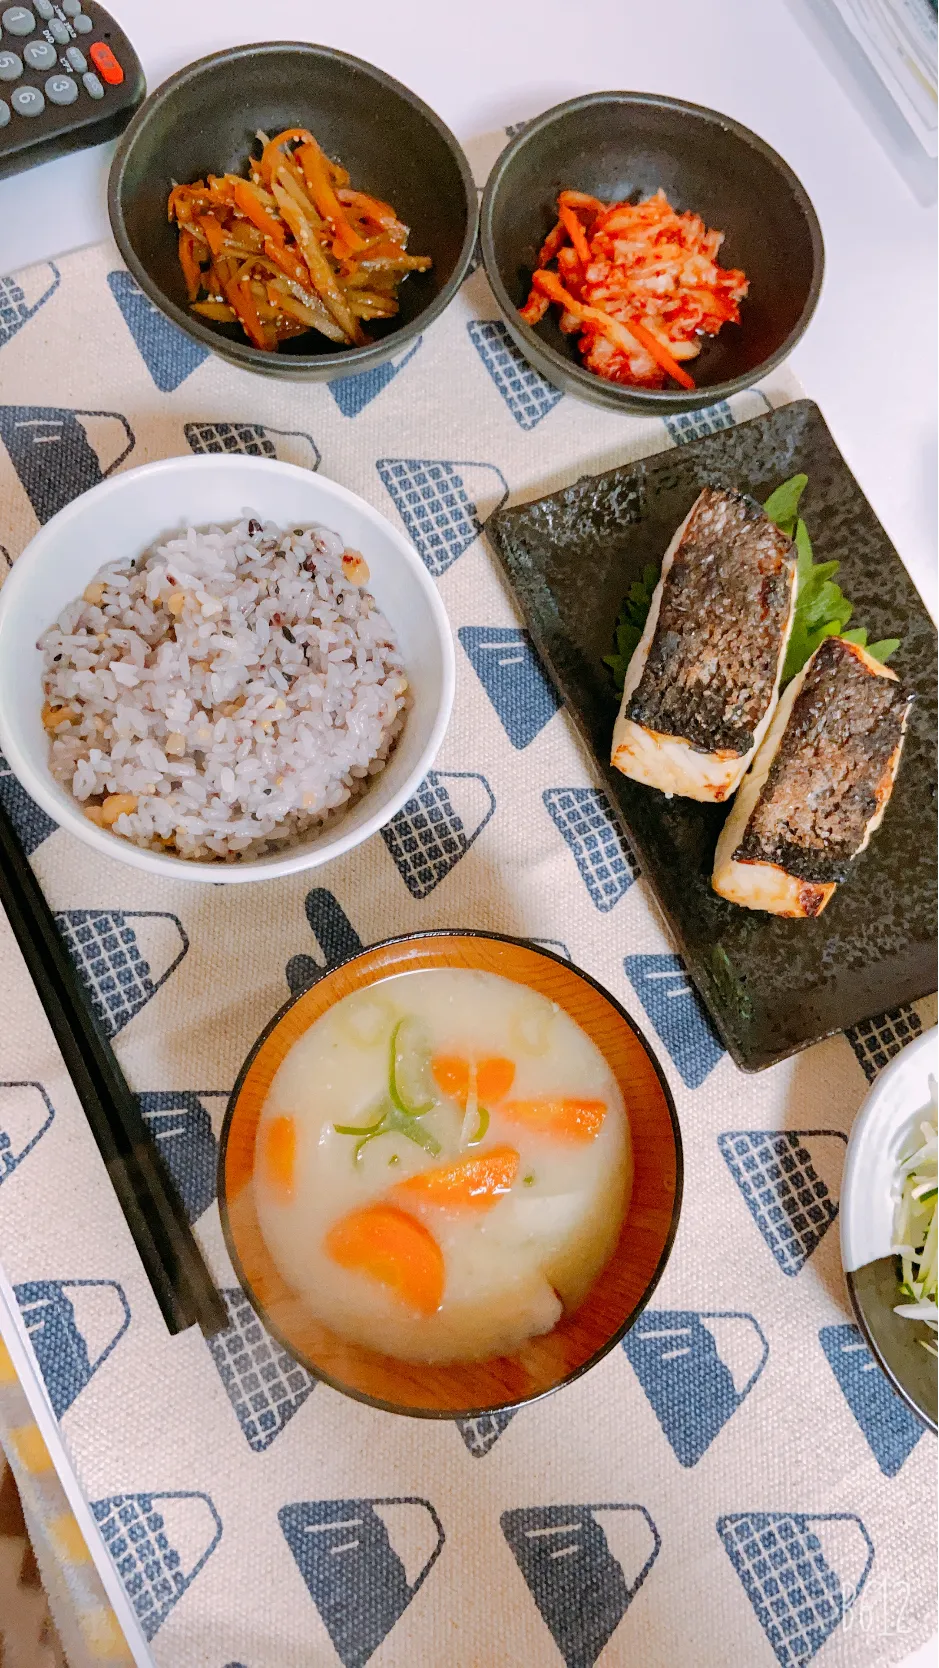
point(466, 1388)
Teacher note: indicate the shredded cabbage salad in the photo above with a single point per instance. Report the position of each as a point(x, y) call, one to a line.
point(915, 1226)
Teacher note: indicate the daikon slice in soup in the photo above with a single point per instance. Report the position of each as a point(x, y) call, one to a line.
point(442, 1166)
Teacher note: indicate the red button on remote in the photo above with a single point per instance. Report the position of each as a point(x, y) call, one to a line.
point(106, 64)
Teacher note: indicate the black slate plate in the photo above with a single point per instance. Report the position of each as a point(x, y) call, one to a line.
point(771, 986)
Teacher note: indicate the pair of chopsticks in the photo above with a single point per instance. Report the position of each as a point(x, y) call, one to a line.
point(182, 1284)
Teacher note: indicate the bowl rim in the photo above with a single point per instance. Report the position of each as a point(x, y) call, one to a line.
point(293, 861)
point(653, 399)
point(874, 1118)
point(347, 361)
point(615, 1337)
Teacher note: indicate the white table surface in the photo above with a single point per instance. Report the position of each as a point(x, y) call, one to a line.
point(869, 356)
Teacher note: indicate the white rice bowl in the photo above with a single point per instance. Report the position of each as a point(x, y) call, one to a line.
point(224, 694)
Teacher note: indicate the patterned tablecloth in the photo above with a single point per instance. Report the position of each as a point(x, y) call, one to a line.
point(736, 1483)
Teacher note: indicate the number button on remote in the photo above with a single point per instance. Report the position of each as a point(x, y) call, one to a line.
point(92, 86)
point(76, 60)
point(59, 31)
point(11, 66)
point(82, 22)
point(71, 8)
point(44, 8)
point(61, 89)
point(28, 101)
point(4, 112)
point(18, 20)
point(40, 55)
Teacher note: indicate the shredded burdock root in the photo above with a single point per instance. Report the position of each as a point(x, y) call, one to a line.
point(638, 284)
point(292, 248)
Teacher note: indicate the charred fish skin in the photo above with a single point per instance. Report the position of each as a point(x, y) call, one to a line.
point(819, 786)
point(712, 665)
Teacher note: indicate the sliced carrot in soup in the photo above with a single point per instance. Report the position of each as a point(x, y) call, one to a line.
point(279, 1154)
point(567, 1118)
point(494, 1077)
point(394, 1249)
point(473, 1183)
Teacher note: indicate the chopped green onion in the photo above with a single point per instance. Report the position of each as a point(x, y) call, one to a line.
point(528, 1181)
point(399, 1099)
point(481, 1128)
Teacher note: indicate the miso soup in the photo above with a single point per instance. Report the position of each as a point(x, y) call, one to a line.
point(442, 1166)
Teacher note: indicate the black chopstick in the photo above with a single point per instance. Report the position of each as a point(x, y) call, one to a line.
point(153, 1210)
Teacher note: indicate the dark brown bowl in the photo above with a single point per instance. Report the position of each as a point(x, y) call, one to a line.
point(626, 145)
point(465, 1389)
point(204, 120)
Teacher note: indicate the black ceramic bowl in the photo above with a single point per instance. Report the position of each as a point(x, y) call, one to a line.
point(204, 120)
point(627, 145)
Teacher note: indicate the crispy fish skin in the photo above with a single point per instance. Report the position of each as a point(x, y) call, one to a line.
point(818, 787)
point(703, 683)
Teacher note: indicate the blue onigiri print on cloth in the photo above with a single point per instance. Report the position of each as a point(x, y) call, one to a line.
point(335, 936)
point(25, 1114)
point(18, 304)
point(891, 1430)
point(696, 1368)
point(254, 440)
point(362, 1561)
point(583, 1565)
point(30, 822)
point(181, 1124)
point(694, 425)
point(790, 1180)
point(675, 1009)
point(800, 1572)
point(430, 834)
point(159, 1543)
point(507, 665)
point(123, 957)
point(482, 1433)
point(878, 1041)
point(168, 353)
point(584, 818)
point(353, 393)
point(528, 395)
point(265, 1386)
point(73, 1326)
point(59, 453)
point(443, 505)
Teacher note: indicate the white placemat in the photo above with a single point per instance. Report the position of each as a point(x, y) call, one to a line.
point(736, 1483)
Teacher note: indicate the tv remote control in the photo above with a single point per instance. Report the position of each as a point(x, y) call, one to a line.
point(69, 78)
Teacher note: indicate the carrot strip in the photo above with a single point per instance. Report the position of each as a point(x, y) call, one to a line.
point(316, 174)
point(625, 336)
point(393, 1248)
point(552, 244)
point(575, 232)
point(247, 199)
point(581, 200)
point(474, 1183)
point(565, 1118)
point(192, 271)
point(279, 1154)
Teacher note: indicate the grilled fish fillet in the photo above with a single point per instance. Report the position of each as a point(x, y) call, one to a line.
point(818, 787)
point(703, 682)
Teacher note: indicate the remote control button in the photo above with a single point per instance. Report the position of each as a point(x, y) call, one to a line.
point(28, 101)
point(40, 55)
point(4, 112)
point(71, 8)
point(11, 67)
point(106, 64)
point(92, 86)
point(82, 22)
point(59, 31)
point(18, 20)
point(76, 60)
point(61, 89)
point(44, 8)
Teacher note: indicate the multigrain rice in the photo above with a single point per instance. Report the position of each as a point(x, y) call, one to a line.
point(226, 692)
